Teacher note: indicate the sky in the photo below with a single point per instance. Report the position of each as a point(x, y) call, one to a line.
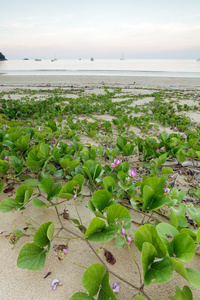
point(146, 29)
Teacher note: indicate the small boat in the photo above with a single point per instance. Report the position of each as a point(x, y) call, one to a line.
point(91, 59)
point(53, 59)
point(37, 59)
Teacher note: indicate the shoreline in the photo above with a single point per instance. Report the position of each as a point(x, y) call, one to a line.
point(82, 80)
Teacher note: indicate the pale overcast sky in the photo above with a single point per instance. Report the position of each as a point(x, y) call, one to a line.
point(102, 29)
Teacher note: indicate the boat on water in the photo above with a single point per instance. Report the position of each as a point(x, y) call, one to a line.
point(37, 59)
point(52, 60)
point(91, 59)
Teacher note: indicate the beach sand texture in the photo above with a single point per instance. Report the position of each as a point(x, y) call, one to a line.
point(18, 284)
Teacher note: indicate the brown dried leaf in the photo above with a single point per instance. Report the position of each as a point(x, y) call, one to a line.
point(109, 257)
point(8, 189)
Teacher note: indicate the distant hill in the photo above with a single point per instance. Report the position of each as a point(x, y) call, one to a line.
point(2, 57)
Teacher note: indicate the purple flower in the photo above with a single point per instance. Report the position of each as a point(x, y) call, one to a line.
point(150, 131)
point(53, 142)
point(115, 288)
point(166, 190)
point(50, 148)
point(100, 123)
point(40, 129)
point(75, 196)
point(65, 251)
point(185, 136)
point(9, 97)
point(128, 239)
point(13, 105)
point(54, 284)
point(132, 173)
point(123, 231)
point(6, 158)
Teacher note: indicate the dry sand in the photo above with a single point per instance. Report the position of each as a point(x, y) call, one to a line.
point(17, 284)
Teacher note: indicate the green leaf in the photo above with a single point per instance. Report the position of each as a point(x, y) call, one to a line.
point(138, 298)
point(116, 211)
point(148, 233)
point(81, 296)
point(48, 186)
point(41, 237)
point(104, 235)
point(4, 166)
point(92, 278)
point(38, 203)
point(23, 194)
point(160, 271)
point(194, 277)
point(195, 193)
point(95, 225)
point(8, 205)
point(31, 182)
point(120, 241)
point(43, 151)
point(31, 257)
point(167, 170)
point(109, 183)
point(50, 231)
point(106, 292)
point(183, 247)
point(100, 199)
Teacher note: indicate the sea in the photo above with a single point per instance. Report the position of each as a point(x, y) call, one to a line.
point(186, 68)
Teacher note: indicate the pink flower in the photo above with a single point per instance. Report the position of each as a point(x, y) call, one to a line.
point(116, 163)
point(40, 129)
point(9, 97)
point(166, 190)
point(65, 251)
point(75, 196)
point(113, 165)
point(185, 136)
point(6, 158)
point(150, 131)
point(50, 148)
point(54, 284)
point(13, 105)
point(53, 142)
point(132, 173)
point(128, 239)
point(123, 231)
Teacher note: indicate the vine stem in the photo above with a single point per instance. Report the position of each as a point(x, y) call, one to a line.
point(140, 289)
point(135, 263)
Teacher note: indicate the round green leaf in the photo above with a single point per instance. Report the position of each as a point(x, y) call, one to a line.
point(41, 237)
point(100, 199)
point(92, 278)
point(116, 211)
point(183, 247)
point(31, 257)
point(95, 225)
point(81, 296)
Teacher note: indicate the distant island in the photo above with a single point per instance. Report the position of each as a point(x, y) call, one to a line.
point(2, 57)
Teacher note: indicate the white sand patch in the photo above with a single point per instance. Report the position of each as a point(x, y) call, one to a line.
point(138, 91)
point(104, 117)
point(194, 116)
point(141, 101)
point(95, 91)
point(120, 99)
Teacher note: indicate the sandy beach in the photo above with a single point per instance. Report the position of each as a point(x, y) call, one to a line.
point(60, 80)
point(18, 284)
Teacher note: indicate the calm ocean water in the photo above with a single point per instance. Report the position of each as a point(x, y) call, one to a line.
point(104, 67)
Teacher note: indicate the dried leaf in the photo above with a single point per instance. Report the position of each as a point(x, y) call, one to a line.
point(109, 257)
